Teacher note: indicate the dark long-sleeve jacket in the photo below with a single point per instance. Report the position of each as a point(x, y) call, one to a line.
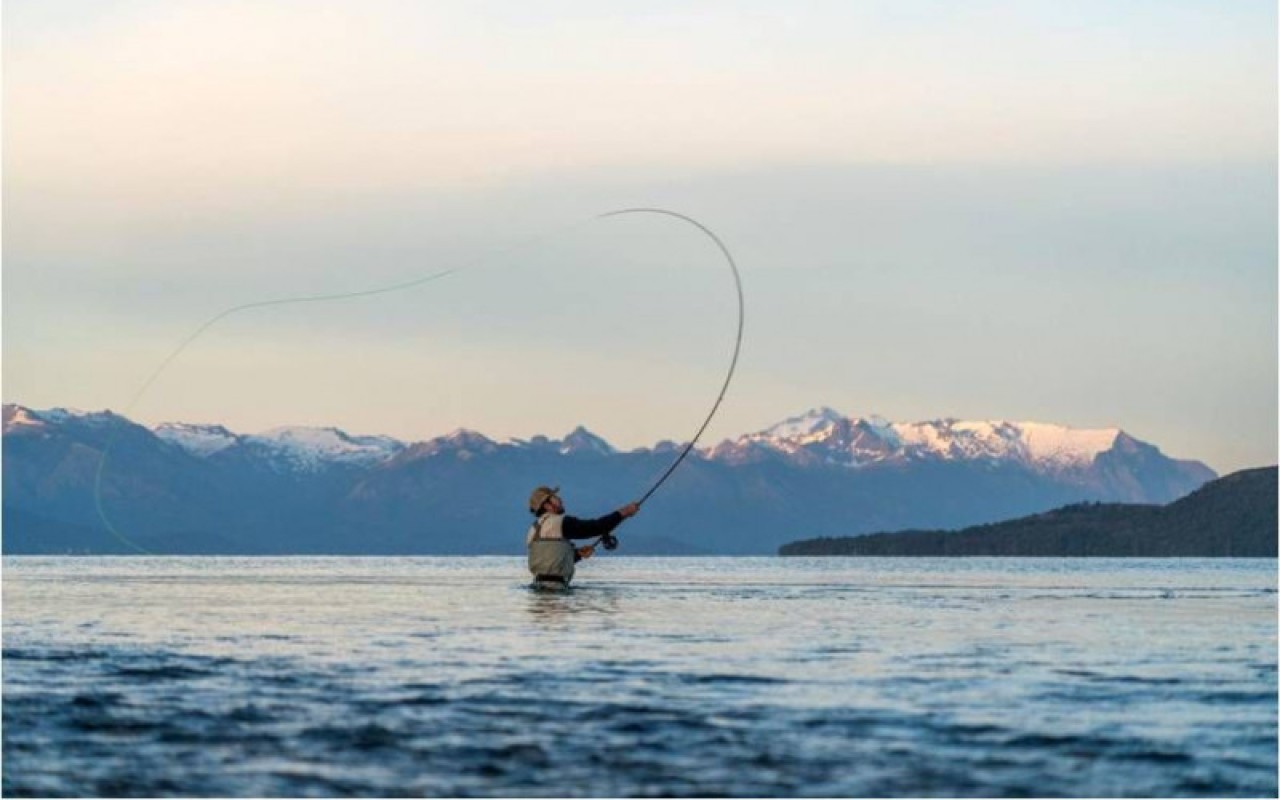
point(574, 528)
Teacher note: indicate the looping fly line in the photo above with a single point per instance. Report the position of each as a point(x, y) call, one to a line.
point(322, 298)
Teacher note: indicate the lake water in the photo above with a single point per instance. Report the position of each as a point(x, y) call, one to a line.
point(713, 676)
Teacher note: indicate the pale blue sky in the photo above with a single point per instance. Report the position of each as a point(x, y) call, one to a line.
point(1062, 212)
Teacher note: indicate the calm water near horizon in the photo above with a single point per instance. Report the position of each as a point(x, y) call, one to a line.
point(653, 676)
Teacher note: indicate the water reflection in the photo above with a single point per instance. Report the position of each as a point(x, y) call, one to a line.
point(557, 605)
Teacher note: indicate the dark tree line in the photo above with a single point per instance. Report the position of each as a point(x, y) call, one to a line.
point(1231, 516)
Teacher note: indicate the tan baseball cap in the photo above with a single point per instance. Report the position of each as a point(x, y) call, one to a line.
point(540, 496)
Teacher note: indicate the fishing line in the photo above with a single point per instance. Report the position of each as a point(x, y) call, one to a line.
point(322, 298)
point(314, 298)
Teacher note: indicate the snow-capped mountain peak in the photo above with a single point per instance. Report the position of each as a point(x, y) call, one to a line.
point(199, 440)
point(21, 419)
point(824, 436)
point(466, 436)
point(462, 444)
point(581, 440)
point(307, 449)
point(814, 422)
point(1036, 443)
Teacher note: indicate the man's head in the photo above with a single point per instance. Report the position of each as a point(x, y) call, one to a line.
point(546, 499)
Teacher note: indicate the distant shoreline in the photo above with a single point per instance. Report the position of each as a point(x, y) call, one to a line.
point(1231, 517)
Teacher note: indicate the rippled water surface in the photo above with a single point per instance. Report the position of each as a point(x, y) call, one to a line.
point(448, 676)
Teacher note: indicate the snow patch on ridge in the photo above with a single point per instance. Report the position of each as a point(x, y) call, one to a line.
point(64, 415)
point(581, 440)
point(309, 449)
point(809, 426)
point(19, 417)
point(60, 414)
point(198, 440)
point(1060, 444)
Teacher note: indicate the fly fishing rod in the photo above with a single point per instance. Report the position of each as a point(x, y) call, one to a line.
point(609, 541)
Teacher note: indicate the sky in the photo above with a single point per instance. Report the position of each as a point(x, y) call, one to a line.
point(1059, 212)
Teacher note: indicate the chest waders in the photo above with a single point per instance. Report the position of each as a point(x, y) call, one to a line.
point(551, 556)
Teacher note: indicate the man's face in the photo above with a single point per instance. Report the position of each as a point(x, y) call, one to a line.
point(554, 505)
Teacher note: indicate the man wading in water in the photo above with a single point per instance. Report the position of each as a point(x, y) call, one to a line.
point(551, 552)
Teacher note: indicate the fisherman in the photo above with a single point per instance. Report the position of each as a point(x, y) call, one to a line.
point(551, 551)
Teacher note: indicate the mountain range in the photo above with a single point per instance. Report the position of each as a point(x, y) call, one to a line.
point(187, 488)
